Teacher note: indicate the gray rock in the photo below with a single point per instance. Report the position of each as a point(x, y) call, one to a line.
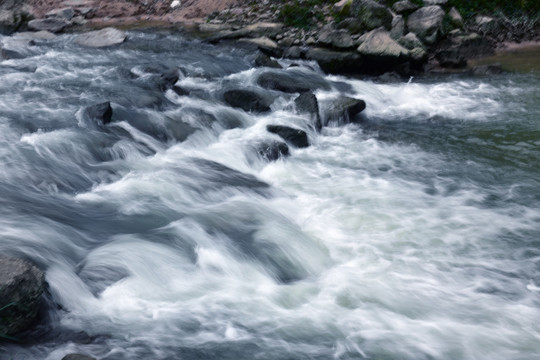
point(410, 41)
point(343, 110)
point(455, 17)
point(293, 52)
point(295, 137)
point(21, 287)
point(307, 103)
point(264, 44)
point(50, 24)
point(451, 58)
point(66, 13)
point(371, 14)
point(102, 38)
point(263, 60)
point(418, 55)
point(378, 43)
point(249, 99)
point(100, 113)
point(335, 62)
point(398, 27)
point(272, 150)
point(339, 39)
point(404, 7)
point(250, 31)
point(427, 23)
point(292, 81)
point(77, 357)
point(13, 15)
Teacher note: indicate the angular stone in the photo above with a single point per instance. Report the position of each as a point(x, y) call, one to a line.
point(296, 137)
point(427, 23)
point(307, 103)
point(266, 45)
point(248, 99)
point(263, 60)
point(379, 43)
point(102, 38)
point(66, 13)
point(455, 17)
point(343, 110)
point(451, 58)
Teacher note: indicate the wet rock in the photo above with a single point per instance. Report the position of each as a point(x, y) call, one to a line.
point(266, 45)
point(248, 99)
point(180, 91)
point(335, 62)
point(292, 81)
point(102, 38)
point(371, 14)
point(295, 137)
point(77, 357)
point(307, 103)
point(343, 110)
point(21, 287)
point(167, 79)
point(455, 17)
point(250, 31)
point(398, 27)
point(389, 77)
point(66, 13)
point(380, 52)
point(451, 58)
point(404, 7)
point(53, 25)
point(272, 150)
point(427, 23)
point(263, 60)
point(342, 8)
point(100, 113)
point(177, 129)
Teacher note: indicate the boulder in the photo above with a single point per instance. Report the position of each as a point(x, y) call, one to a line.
point(343, 110)
point(13, 15)
point(342, 8)
point(427, 23)
point(418, 56)
point(66, 13)
point(451, 58)
point(102, 38)
point(455, 17)
point(398, 27)
point(307, 103)
point(410, 41)
point(380, 52)
point(295, 137)
point(100, 113)
point(53, 25)
point(77, 357)
point(340, 39)
point(404, 7)
point(263, 60)
point(292, 81)
point(371, 14)
point(8, 54)
point(21, 287)
point(248, 99)
point(335, 62)
point(266, 45)
point(34, 35)
point(272, 150)
point(352, 25)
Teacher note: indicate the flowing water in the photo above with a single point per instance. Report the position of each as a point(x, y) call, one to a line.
point(165, 235)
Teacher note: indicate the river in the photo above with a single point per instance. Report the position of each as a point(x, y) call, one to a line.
point(413, 235)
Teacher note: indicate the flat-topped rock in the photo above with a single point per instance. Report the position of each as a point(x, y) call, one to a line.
point(52, 24)
point(102, 38)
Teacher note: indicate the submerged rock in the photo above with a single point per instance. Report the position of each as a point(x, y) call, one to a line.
point(66, 13)
point(272, 150)
point(102, 38)
point(101, 113)
point(296, 137)
point(248, 99)
point(21, 287)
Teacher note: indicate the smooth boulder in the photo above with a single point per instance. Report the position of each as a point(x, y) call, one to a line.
point(248, 99)
point(295, 137)
point(427, 23)
point(102, 38)
point(21, 287)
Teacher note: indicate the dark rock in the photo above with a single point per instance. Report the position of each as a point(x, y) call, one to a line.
point(371, 14)
point(250, 31)
point(168, 78)
point(381, 53)
point(296, 137)
point(263, 60)
point(404, 7)
point(266, 45)
point(427, 23)
point(484, 70)
point(50, 24)
point(451, 58)
point(8, 54)
point(102, 38)
point(471, 45)
point(343, 110)
point(293, 52)
point(178, 129)
point(390, 77)
point(248, 99)
point(21, 287)
point(100, 113)
point(335, 62)
point(307, 103)
point(180, 90)
point(272, 150)
point(292, 81)
point(66, 13)
point(455, 17)
point(13, 15)
point(77, 357)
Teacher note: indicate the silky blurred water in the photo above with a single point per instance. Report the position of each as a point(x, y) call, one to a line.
point(412, 235)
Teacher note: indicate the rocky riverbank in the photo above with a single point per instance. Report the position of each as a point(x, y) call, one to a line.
point(362, 37)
